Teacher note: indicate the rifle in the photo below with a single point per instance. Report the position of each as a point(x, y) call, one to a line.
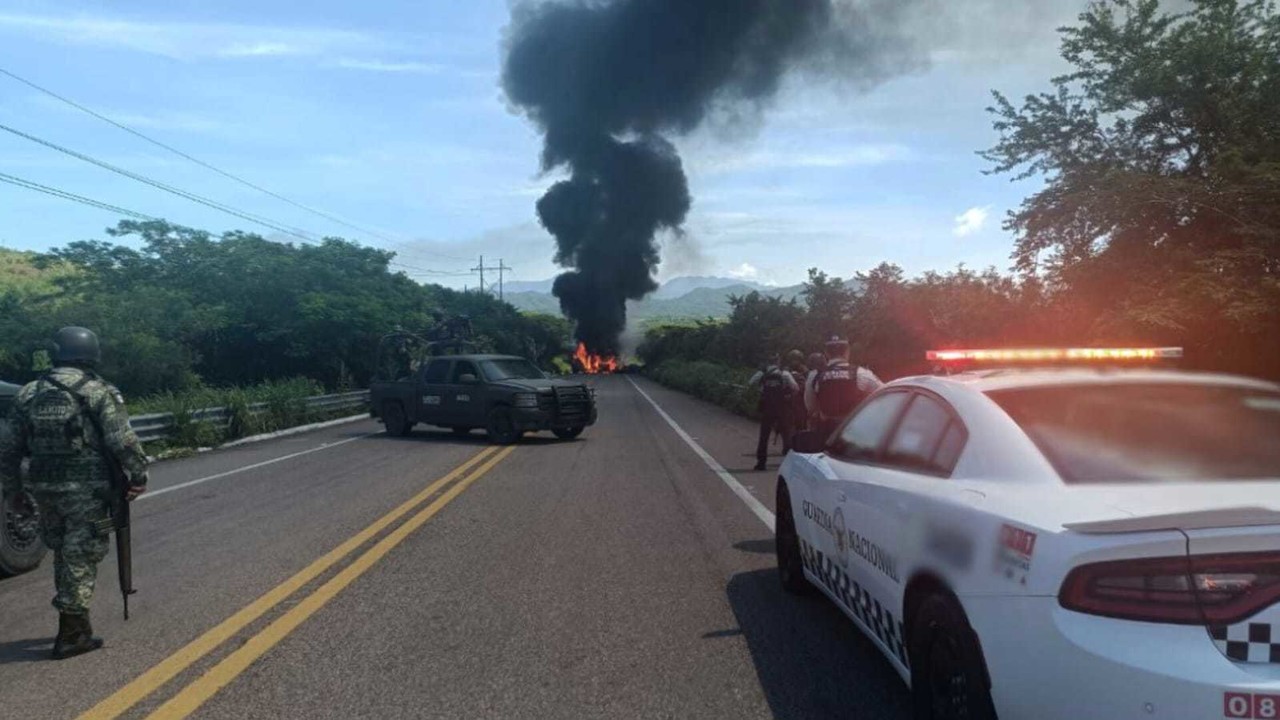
point(117, 499)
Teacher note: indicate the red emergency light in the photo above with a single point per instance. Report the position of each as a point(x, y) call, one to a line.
point(1018, 355)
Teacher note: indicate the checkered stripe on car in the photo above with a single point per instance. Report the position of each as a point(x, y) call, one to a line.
point(853, 596)
point(1256, 640)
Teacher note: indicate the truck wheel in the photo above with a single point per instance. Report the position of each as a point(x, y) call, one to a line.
point(393, 418)
point(947, 678)
point(568, 433)
point(20, 546)
point(501, 427)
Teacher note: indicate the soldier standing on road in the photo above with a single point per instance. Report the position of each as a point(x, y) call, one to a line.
point(800, 373)
point(838, 388)
point(70, 476)
point(777, 388)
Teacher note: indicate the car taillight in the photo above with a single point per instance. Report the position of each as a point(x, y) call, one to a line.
point(1205, 589)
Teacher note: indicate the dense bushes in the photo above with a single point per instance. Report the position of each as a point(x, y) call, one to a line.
point(713, 382)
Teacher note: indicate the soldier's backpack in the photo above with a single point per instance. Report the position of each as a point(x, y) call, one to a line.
point(57, 424)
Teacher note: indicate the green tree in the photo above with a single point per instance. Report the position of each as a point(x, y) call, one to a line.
point(1160, 217)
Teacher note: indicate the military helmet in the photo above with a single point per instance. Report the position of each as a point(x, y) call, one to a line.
point(76, 345)
point(795, 357)
point(817, 360)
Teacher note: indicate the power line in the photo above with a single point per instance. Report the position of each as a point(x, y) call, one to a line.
point(265, 222)
point(66, 195)
point(192, 159)
point(19, 182)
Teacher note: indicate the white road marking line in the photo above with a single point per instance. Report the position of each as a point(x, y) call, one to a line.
point(182, 486)
point(743, 494)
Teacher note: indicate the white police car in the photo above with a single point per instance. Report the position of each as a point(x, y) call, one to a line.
point(1053, 543)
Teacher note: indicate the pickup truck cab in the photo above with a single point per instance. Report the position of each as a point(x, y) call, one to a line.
point(506, 395)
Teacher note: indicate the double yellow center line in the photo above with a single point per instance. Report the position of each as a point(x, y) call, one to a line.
point(207, 685)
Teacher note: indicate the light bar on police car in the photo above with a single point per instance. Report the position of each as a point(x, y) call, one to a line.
point(1054, 354)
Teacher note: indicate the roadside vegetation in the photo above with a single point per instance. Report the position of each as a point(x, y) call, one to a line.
point(181, 310)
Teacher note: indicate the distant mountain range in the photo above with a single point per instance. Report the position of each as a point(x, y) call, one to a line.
point(682, 297)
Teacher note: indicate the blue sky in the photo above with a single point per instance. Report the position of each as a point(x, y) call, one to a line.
point(389, 115)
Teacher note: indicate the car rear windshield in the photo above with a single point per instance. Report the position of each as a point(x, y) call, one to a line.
point(1152, 432)
point(513, 369)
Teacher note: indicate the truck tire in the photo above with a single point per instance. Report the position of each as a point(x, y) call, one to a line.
point(501, 427)
point(21, 549)
point(569, 433)
point(394, 419)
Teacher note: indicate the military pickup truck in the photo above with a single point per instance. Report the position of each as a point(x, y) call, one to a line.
point(20, 546)
point(506, 395)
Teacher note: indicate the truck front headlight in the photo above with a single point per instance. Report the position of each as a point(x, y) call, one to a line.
point(525, 400)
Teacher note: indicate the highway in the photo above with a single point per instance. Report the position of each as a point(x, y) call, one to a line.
point(342, 574)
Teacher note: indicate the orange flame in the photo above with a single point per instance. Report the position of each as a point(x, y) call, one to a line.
point(594, 364)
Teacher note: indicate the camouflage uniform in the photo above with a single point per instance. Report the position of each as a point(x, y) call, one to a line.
point(69, 474)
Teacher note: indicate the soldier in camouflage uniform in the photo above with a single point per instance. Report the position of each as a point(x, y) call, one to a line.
point(70, 475)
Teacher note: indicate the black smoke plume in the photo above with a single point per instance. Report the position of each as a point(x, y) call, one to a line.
point(606, 79)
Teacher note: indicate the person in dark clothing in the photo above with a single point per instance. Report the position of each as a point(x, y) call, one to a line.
point(777, 390)
point(800, 373)
point(835, 390)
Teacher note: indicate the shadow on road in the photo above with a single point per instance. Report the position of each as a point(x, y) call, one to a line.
point(811, 660)
point(764, 547)
point(25, 651)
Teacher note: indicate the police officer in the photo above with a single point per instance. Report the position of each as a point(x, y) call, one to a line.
point(835, 390)
point(777, 388)
point(799, 372)
point(70, 475)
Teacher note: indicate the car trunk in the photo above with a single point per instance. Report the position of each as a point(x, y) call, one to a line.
point(1233, 554)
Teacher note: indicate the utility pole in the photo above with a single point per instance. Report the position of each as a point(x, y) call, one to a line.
point(502, 266)
point(480, 267)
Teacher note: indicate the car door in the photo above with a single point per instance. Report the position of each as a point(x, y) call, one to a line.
point(464, 401)
point(859, 441)
point(881, 496)
point(432, 389)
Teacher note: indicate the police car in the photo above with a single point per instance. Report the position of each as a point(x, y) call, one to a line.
point(1081, 542)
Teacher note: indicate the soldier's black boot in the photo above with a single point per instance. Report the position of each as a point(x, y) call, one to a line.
point(75, 637)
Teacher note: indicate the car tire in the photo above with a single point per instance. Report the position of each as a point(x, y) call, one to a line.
point(21, 549)
point(460, 431)
point(786, 543)
point(948, 673)
point(393, 418)
point(502, 427)
point(568, 433)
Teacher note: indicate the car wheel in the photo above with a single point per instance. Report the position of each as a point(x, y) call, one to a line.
point(460, 431)
point(568, 433)
point(787, 547)
point(948, 679)
point(501, 427)
point(21, 549)
point(393, 418)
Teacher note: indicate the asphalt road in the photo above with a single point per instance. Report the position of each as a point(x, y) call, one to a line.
point(342, 574)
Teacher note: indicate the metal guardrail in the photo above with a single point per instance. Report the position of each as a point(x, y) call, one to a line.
point(158, 426)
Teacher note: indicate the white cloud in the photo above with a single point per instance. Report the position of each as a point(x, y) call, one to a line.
point(189, 41)
point(745, 271)
point(384, 66)
point(971, 221)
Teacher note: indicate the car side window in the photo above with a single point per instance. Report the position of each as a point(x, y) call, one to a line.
point(463, 367)
point(919, 435)
point(437, 372)
point(948, 452)
point(862, 436)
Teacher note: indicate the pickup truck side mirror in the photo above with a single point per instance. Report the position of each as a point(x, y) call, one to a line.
point(809, 442)
point(468, 379)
